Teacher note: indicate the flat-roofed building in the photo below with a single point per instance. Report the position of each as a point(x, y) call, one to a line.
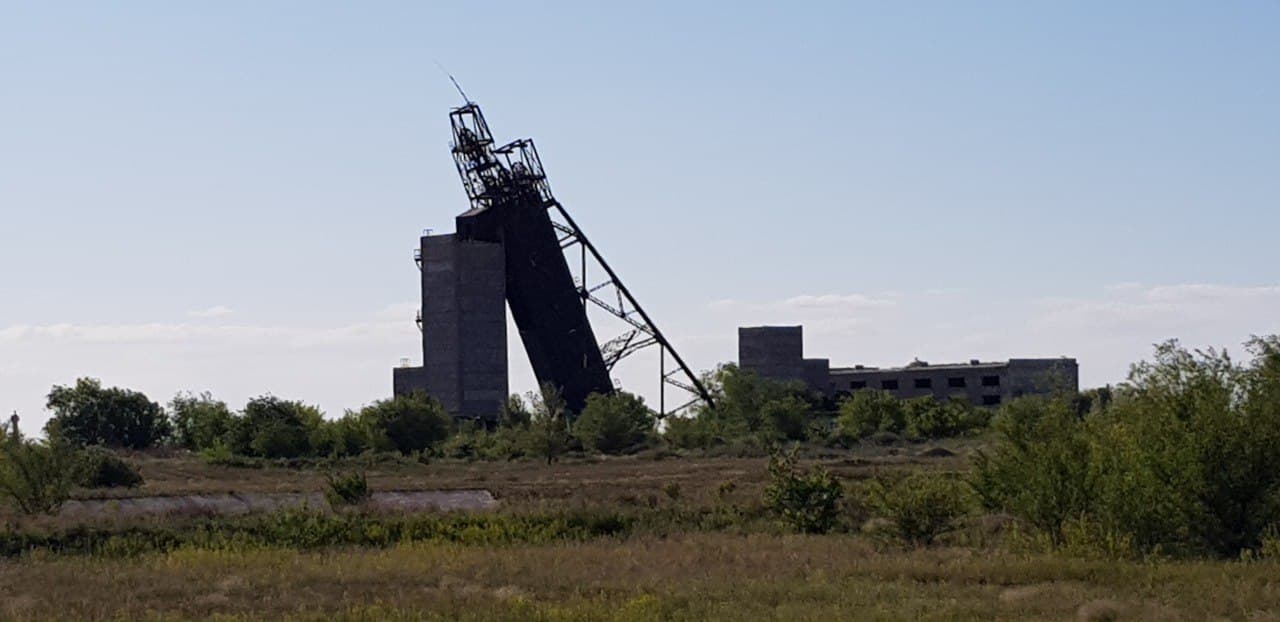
point(983, 383)
point(776, 352)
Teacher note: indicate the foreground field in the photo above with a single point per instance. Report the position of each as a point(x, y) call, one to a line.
point(693, 577)
point(649, 537)
point(601, 480)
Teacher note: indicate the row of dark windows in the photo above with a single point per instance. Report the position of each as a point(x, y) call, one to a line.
point(955, 382)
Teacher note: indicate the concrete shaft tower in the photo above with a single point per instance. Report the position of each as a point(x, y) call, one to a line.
point(509, 246)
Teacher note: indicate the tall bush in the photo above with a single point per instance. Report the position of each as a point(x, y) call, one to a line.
point(199, 421)
point(808, 500)
point(921, 506)
point(35, 476)
point(100, 468)
point(866, 412)
point(547, 435)
point(410, 423)
point(1184, 457)
point(271, 427)
point(350, 435)
point(1038, 469)
point(614, 424)
point(787, 418)
point(747, 407)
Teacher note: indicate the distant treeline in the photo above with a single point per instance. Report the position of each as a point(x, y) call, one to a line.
point(750, 415)
point(1182, 459)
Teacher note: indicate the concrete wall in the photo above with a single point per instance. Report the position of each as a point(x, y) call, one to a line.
point(777, 353)
point(464, 325)
point(1031, 376)
point(817, 375)
point(773, 352)
point(406, 380)
point(982, 384)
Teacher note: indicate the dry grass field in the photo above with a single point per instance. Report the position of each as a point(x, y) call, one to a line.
point(575, 479)
point(696, 575)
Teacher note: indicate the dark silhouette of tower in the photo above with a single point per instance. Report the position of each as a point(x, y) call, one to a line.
point(514, 219)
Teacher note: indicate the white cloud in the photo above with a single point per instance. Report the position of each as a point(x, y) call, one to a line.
point(211, 313)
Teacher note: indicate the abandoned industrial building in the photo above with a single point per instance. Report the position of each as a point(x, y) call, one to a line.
point(509, 251)
point(777, 353)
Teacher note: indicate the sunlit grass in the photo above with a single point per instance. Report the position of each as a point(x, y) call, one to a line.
point(689, 577)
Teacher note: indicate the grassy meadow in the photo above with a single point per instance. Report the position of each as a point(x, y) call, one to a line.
point(1158, 499)
point(658, 564)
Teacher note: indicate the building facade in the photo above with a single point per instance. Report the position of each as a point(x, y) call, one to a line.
point(777, 353)
point(464, 328)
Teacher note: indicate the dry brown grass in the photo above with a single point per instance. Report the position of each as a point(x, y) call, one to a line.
point(576, 479)
point(693, 577)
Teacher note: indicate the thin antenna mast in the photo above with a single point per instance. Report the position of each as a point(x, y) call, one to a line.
point(465, 99)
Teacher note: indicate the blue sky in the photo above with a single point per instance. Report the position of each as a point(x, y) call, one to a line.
point(225, 196)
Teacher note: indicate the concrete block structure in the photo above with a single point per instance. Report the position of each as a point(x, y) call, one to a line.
point(776, 352)
point(464, 327)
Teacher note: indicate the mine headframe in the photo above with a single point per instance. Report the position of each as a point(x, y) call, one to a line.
point(492, 174)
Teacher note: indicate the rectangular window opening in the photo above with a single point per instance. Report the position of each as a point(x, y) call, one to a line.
point(889, 385)
point(991, 381)
point(924, 383)
point(990, 400)
point(956, 383)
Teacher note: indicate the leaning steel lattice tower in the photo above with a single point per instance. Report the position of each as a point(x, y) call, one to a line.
point(512, 207)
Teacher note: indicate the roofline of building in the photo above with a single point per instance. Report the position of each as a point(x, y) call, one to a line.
point(951, 366)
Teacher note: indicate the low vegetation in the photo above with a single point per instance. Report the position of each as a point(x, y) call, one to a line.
point(1172, 476)
point(347, 489)
point(35, 476)
point(100, 468)
point(1182, 459)
point(808, 501)
point(920, 507)
point(703, 576)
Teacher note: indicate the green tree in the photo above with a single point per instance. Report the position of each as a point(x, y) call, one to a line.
point(787, 417)
point(88, 414)
point(1038, 469)
point(199, 421)
point(271, 427)
point(690, 432)
point(746, 406)
point(349, 435)
point(614, 424)
point(409, 422)
point(866, 412)
point(36, 477)
point(548, 432)
point(515, 413)
point(1184, 457)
